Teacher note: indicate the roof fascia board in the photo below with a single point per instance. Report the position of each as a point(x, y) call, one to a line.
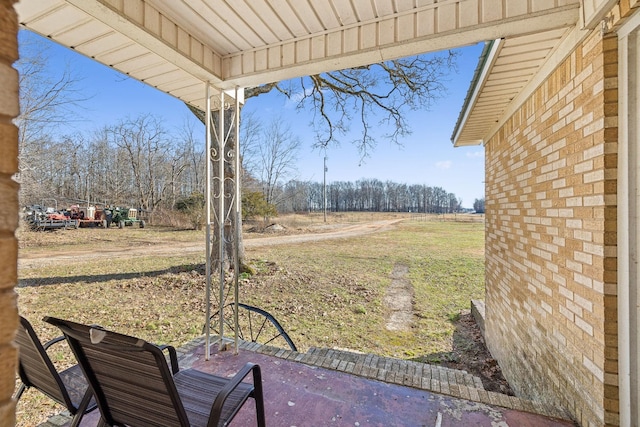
point(119, 20)
point(597, 13)
point(235, 72)
point(478, 84)
point(564, 49)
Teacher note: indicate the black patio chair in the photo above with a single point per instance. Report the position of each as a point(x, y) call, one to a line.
point(134, 386)
point(68, 387)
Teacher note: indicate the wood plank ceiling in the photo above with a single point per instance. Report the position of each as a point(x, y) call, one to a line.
point(178, 45)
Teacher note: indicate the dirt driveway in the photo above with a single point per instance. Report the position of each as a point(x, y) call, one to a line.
point(36, 257)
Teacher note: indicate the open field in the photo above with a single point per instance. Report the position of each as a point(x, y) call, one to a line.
point(326, 293)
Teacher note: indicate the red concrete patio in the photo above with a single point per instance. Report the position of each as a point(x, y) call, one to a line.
point(305, 393)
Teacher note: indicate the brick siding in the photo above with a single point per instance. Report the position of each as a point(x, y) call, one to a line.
point(551, 238)
point(8, 209)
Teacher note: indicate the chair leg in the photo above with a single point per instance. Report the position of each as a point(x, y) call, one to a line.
point(20, 391)
point(75, 422)
point(260, 411)
point(257, 396)
point(82, 408)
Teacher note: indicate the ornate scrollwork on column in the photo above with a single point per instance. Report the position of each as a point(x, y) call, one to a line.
point(225, 221)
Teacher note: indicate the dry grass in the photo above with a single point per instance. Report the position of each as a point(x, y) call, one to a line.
point(328, 293)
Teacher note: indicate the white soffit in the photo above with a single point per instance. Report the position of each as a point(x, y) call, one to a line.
point(515, 64)
point(177, 45)
point(121, 45)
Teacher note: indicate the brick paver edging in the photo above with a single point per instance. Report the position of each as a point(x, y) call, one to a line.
point(452, 382)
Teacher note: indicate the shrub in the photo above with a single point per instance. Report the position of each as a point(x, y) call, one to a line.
point(193, 207)
point(255, 205)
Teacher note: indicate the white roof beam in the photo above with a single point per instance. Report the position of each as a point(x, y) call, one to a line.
point(438, 26)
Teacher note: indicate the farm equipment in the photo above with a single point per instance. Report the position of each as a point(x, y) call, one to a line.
point(125, 217)
point(41, 219)
point(90, 216)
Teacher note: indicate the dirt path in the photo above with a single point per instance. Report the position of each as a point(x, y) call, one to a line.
point(399, 300)
point(35, 258)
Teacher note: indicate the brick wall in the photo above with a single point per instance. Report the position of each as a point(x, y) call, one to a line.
point(551, 237)
point(8, 209)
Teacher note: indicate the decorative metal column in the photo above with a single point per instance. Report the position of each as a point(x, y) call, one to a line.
point(237, 210)
point(207, 204)
point(223, 192)
point(220, 218)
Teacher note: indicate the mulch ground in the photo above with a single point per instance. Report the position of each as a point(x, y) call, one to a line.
point(470, 353)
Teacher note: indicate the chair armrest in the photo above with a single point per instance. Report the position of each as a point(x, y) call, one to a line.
point(173, 356)
point(218, 403)
point(53, 341)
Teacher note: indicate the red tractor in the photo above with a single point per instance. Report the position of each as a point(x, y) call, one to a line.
point(90, 216)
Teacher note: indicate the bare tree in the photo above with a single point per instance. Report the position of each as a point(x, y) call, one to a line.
point(278, 153)
point(251, 133)
point(193, 155)
point(46, 100)
point(110, 171)
point(144, 141)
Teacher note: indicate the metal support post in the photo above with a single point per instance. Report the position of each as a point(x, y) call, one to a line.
point(208, 219)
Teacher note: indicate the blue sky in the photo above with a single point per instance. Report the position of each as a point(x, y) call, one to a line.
point(425, 157)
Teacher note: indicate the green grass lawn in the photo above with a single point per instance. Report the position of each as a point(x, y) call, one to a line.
point(325, 294)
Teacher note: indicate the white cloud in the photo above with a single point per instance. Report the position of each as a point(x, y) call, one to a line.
point(446, 164)
point(475, 154)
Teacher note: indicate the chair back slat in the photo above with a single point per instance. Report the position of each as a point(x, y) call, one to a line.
point(130, 377)
point(35, 367)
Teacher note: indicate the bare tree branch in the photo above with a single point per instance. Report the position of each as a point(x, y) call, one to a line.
point(386, 90)
point(46, 99)
point(259, 90)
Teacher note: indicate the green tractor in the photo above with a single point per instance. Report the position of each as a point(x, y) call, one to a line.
point(125, 217)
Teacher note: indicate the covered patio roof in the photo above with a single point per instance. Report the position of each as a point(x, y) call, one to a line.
point(176, 46)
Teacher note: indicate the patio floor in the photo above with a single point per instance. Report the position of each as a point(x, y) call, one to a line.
point(337, 388)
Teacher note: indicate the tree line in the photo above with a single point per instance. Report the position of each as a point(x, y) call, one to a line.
point(370, 195)
point(137, 162)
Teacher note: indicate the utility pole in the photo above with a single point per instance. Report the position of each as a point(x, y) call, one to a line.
point(324, 190)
